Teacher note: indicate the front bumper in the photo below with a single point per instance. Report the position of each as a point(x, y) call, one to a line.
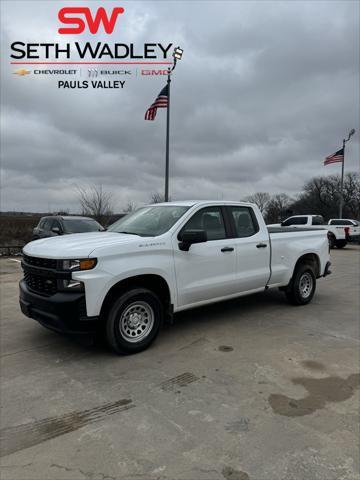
point(63, 312)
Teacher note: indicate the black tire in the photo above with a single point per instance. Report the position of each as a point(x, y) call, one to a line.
point(332, 241)
point(134, 321)
point(340, 243)
point(302, 286)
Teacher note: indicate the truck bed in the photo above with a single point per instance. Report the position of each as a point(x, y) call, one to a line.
point(293, 229)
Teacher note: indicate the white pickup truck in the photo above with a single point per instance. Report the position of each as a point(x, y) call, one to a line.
point(162, 259)
point(352, 227)
point(337, 235)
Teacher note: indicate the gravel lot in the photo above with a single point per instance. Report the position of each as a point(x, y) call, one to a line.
point(251, 389)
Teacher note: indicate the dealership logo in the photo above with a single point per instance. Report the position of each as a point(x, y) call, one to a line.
point(93, 72)
point(22, 72)
point(155, 72)
point(70, 16)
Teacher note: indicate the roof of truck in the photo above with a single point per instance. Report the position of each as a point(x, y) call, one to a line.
point(191, 203)
point(66, 217)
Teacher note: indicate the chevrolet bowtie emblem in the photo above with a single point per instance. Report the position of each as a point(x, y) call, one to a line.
point(22, 72)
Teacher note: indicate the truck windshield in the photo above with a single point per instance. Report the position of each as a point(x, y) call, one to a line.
point(149, 221)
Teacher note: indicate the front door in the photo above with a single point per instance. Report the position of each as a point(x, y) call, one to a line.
point(207, 270)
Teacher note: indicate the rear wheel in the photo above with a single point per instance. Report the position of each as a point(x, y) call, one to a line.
point(340, 243)
point(134, 321)
point(302, 286)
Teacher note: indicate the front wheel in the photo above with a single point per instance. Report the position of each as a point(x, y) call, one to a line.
point(134, 321)
point(302, 286)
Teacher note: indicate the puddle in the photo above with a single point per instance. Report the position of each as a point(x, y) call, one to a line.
point(313, 365)
point(231, 474)
point(225, 348)
point(320, 392)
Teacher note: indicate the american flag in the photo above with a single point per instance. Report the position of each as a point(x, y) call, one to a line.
point(160, 102)
point(335, 157)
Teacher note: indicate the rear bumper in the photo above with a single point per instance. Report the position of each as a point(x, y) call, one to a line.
point(62, 312)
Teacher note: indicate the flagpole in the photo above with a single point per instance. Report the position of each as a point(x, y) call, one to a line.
point(351, 133)
point(167, 140)
point(342, 182)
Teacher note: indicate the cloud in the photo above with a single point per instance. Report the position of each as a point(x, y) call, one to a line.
point(264, 91)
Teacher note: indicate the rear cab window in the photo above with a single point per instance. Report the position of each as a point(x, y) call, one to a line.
point(47, 224)
point(341, 222)
point(317, 220)
point(294, 221)
point(244, 221)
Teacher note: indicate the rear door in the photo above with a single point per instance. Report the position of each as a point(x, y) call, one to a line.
point(252, 249)
point(207, 270)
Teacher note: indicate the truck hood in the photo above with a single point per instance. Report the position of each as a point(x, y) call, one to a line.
point(77, 245)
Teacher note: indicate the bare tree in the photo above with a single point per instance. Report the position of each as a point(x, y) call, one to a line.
point(261, 199)
point(321, 195)
point(95, 202)
point(278, 208)
point(130, 207)
point(157, 197)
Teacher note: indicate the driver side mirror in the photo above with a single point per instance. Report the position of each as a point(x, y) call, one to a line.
point(188, 237)
point(56, 230)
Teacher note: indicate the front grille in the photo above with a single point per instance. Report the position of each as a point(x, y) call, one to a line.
point(41, 284)
point(40, 262)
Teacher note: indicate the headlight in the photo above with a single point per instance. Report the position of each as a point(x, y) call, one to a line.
point(79, 265)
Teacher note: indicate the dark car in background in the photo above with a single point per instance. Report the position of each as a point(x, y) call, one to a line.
point(62, 225)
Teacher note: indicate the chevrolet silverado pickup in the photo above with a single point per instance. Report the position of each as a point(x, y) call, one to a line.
point(352, 227)
point(337, 235)
point(160, 260)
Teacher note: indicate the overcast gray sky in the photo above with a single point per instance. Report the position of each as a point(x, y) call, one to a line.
point(264, 92)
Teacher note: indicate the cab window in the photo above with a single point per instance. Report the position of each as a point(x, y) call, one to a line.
point(47, 224)
point(56, 224)
point(294, 221)
point(244, 220)
point(317, 220)
point(341, 222)
point(209, 219)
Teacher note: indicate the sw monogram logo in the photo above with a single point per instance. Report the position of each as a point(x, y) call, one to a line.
point(82, 16)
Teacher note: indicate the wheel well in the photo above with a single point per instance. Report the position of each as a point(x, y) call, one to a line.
point(312, 260)
point(155, 283)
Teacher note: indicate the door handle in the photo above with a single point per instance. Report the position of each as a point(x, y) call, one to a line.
point(261, 245)
point(227, 249)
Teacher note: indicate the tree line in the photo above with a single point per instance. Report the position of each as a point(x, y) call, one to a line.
point(320, 196)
